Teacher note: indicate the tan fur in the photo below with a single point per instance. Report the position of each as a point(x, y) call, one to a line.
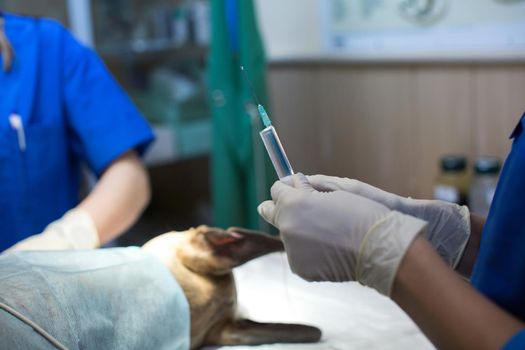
point(201, 260)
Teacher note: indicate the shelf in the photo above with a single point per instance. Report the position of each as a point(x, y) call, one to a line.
point(150, 50)
point(190, 140)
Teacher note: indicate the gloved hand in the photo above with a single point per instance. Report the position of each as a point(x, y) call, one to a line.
point(339, 236)
point(448, 223)
point(75, 230)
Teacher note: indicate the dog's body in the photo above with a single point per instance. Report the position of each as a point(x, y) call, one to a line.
point(202, 260)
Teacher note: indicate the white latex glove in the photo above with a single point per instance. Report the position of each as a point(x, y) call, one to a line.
point(448, 228)
point(75, 230)
point(339, 236)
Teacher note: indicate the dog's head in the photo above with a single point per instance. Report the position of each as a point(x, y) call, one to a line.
point(213, 251)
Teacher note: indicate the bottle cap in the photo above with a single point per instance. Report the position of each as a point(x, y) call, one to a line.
point(487, 166)
point(453, 163)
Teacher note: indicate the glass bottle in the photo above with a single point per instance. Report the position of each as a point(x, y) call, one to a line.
point(486, 171)
point(452, 184)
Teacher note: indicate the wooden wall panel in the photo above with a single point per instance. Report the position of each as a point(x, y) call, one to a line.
point(366, 120)
point(499, 102)
point(389, 124)
point(441, 106)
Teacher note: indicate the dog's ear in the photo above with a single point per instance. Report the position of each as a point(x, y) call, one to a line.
point(248, 245)
point(214, 251)
point(217, 238)
point(246, 332)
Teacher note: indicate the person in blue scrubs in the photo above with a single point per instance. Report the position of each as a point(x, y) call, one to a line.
point(60, 108)
point(338, 229)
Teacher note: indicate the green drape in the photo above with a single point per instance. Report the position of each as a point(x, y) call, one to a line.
point(241, 174)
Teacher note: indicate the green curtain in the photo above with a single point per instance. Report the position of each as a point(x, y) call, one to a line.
point(241, 172)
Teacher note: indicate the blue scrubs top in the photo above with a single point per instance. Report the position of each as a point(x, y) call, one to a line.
point(72, 111)
point(500, 268)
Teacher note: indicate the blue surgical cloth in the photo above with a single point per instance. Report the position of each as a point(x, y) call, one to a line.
point(121, 298)
point(500, 268)
point(72, 112)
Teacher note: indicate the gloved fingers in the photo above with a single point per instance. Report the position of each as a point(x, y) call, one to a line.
point(288, 180)
point(325, 183)
point(267, 211)
point(376, 194)
point(289, 184)
point(297, 180)
point(301, 182)
point(281, 189)
point(332, 183)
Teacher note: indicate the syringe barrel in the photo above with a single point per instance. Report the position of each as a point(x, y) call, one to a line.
point(276, 152)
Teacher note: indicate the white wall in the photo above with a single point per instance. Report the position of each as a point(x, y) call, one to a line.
point(290, 28)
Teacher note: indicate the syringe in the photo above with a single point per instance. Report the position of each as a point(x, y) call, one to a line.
point(271, 141)
point(273, 146)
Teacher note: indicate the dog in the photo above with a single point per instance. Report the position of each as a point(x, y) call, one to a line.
point(201, 260)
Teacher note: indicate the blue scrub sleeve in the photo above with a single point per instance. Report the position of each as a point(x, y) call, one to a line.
point(500, 267)
point(103, 121)
point(517, 342)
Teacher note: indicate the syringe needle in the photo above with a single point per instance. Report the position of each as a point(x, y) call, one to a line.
point(262, 112)
point(270, 139)
point(250, 86)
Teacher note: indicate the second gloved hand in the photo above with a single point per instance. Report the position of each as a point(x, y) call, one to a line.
point(339, 236)
point(448, 223)
point(74, 230)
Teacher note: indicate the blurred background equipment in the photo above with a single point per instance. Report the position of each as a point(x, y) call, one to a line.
point(486, 172)
point(453, 182)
